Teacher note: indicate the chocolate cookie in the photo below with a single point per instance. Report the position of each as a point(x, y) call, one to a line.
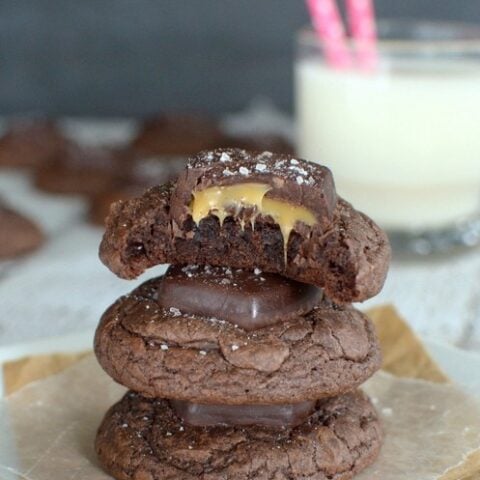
point(18, 234)
point(80, 170)
point(144, 439)
point(136, 175)
point(315, 238)
point(163, 352)
point(30, 143)
point(176, 135)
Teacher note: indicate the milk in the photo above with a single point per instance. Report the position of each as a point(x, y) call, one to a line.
point(403, 143)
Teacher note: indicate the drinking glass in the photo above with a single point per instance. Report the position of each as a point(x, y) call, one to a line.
point(402, 139)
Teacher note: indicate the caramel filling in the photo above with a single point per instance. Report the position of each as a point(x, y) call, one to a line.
point(221, 200)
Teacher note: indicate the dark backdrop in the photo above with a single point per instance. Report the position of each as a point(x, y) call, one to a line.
point(115, 57)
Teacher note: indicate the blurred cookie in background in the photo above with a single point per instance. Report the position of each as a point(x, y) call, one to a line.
point(30, 142)
point(80, 170)
point(18, 234)
point(259, 143)
point(174, 134)
point(138, 174)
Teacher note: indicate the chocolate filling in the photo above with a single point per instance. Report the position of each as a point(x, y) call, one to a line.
point(248, 299)
point(200, 415)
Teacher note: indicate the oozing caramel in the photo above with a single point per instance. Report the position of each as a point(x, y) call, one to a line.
point(221, 200)
point(216, 200)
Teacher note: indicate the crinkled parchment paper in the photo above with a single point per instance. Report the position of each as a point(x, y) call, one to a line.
point(432, 429)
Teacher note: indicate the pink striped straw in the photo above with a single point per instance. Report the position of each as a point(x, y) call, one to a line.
point(361, 19)
point(329, 27)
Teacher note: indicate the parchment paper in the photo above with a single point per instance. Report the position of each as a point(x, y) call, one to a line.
point(18, 373)
point(432, 430)
point(403, 352)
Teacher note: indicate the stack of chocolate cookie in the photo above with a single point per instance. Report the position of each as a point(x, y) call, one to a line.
point(244, 359)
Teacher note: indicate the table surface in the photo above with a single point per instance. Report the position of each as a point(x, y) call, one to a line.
point(63, 288)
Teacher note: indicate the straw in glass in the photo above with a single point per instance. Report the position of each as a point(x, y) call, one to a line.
point(361, 19)
point(329, 27)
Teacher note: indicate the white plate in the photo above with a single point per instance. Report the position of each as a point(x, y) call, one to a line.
point(461, 366)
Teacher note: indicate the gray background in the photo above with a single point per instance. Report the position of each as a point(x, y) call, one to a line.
point(116, 57)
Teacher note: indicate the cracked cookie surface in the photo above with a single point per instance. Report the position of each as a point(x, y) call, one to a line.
point(164, 353)
point(143, 439)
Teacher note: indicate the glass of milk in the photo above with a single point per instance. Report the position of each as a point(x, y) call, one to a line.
point(403, 140)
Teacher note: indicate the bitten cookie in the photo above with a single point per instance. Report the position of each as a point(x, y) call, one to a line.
point(144, 439)
point(18, 234)
point(162, 352)
point(245, 210)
